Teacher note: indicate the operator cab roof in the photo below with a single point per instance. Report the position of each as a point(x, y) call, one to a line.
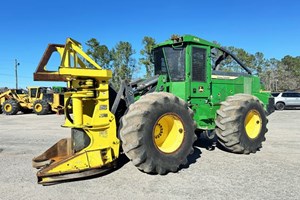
point(186, 39)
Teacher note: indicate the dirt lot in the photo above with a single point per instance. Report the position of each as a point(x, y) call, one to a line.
point(272, 173)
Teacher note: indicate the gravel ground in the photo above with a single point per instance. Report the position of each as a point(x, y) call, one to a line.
point(272, 173)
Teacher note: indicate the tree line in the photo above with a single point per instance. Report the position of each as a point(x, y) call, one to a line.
point(276, 74)
point(120, 58)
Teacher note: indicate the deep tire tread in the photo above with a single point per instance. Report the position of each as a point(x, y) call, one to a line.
point(228, 123)
point(45, 107)
point(14, 104)
point(133, 129)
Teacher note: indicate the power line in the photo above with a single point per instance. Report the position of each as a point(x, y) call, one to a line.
point(10, 75)
point(6, 74)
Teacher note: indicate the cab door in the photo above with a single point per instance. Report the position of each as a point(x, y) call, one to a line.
point(32, 94)
point(200, 68)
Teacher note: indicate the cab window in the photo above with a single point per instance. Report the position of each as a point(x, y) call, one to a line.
point(198, 64)
point(33, 92)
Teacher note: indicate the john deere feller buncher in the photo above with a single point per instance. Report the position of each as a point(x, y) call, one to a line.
point(154, 120)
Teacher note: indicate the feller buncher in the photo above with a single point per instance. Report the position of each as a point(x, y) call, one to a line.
point(153, 120)
point(40, 100)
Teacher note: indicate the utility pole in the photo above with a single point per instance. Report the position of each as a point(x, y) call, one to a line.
point(16, 72)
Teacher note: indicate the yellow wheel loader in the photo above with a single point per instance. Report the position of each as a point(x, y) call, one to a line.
point(155, 119)
point(44, 100)
point(12, 101)
point(40, 100)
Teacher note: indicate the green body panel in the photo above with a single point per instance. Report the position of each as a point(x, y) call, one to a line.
point(59, 89)
point(205, 96)
point(181, 89)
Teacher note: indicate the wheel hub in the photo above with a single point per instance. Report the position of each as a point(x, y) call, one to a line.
point(253, 124)
point(168, 133)
point(38, 107)
point(7, 107)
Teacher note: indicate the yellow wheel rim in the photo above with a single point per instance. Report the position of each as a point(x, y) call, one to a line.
point(38, 107)
point(168, 133)
point(7, 107)
point(253, 123)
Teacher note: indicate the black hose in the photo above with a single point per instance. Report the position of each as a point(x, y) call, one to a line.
point(68, 102)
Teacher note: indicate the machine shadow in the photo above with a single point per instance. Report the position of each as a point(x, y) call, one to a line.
point(192, 158)
point(208, 144)
point(202, 142)
point(205, 142)
point(122, 160)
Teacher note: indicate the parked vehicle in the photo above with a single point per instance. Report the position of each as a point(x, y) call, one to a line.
point(40, 100)
point(286, 99)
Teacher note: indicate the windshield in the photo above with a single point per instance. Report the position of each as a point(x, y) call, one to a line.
point(159, 62)
point(175, 60)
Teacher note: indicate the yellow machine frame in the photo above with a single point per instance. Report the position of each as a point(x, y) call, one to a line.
point(91, 116)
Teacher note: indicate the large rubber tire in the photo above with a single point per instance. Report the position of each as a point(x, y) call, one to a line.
point(280, 106)
point(241, 124)
point(158, 133)
point(10, 107)
point(41, 107)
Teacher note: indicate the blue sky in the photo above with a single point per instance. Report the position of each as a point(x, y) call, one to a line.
point(26, 27)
